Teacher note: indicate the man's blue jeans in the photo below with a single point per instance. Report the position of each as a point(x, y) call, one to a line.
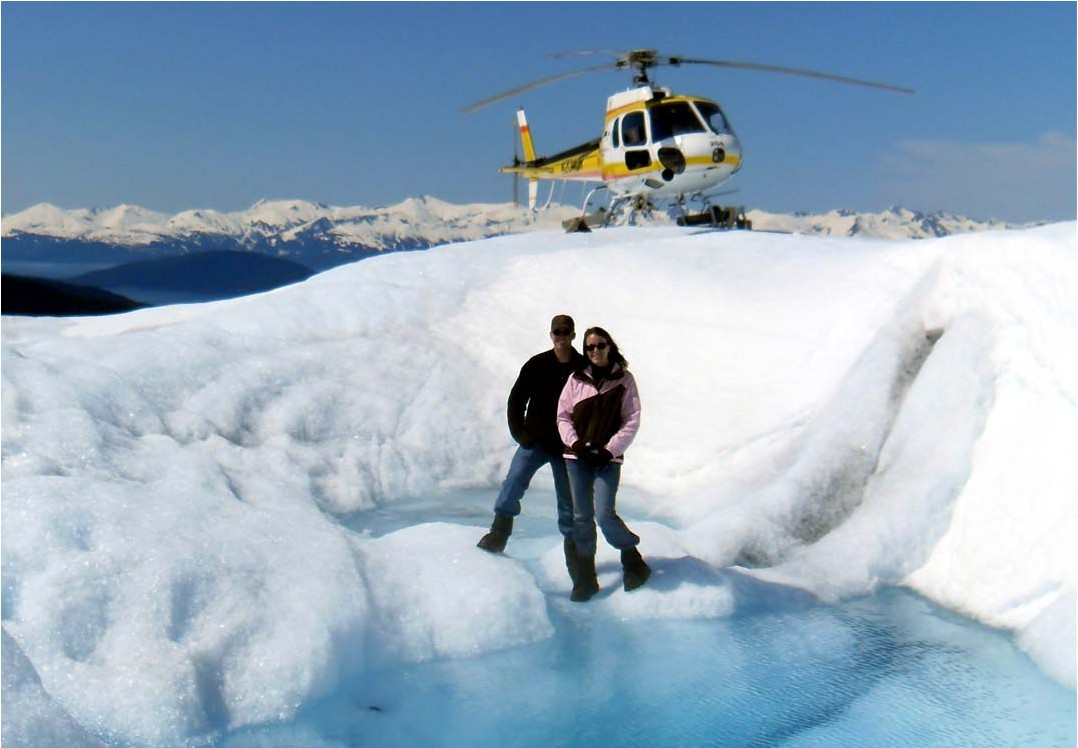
point(526, 462)
point(595, 489)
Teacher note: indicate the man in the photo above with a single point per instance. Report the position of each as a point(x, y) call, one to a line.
point(532, 411)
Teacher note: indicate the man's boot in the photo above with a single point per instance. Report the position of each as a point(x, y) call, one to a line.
point(500, 530)
point(570, 559)
point(636, 572)
point(586, 583)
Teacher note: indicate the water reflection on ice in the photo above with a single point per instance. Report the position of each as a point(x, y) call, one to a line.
point(891, 669)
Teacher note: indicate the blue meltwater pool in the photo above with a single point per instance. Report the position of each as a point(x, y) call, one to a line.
point(891, 669)
point(887, 670)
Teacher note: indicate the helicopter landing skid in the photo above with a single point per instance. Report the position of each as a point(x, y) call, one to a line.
point(585, 221)
point(623, 210)
point(718, 216)
point(596, 220)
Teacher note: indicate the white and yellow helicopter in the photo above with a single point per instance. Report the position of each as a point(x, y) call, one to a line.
point(655, 145)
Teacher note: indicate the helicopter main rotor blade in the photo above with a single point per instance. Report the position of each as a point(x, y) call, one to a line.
point(789, 71)
point(587, 53)
point(536, 84)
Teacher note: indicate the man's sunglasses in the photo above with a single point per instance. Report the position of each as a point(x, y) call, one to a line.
point(595, 346)
point(562, 331)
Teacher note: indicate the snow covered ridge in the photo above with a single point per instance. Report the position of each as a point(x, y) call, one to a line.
point(416, 222)
point(894, 223)
point(843, 415)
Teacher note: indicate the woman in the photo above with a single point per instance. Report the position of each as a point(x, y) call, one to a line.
point(598, 417)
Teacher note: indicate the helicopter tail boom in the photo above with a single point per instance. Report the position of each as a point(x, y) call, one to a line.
point(580, 162)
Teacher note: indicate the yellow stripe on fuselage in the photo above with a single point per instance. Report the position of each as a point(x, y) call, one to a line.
point(586, 166)
point(607, 171)
point(620, 171)
point(636, 106)
point(590, 168)
point(640, 106)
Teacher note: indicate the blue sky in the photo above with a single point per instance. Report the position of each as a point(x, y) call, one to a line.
point(175, 106)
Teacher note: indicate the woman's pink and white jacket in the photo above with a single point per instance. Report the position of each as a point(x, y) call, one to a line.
point(607, 416)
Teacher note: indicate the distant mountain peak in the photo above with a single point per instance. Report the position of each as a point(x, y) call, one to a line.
point(319, 235)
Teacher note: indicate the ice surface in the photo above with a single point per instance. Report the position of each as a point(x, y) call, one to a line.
point(191, 494)
point(31, 717)
point(423, 583)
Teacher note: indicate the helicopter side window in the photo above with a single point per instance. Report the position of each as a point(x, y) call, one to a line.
point(632, 129)
point(637, 159)
point(714, 117)
point(615, 133)
point(675, 118)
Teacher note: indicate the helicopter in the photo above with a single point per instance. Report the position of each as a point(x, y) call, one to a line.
point(655, 144)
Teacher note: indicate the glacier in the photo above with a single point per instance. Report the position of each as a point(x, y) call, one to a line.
point(829, 415)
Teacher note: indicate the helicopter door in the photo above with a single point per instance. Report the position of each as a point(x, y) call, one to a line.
point(634, 136)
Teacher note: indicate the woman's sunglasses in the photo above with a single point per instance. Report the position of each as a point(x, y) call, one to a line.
point(595, 346)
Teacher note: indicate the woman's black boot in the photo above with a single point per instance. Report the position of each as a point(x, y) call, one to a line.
point(570, 559)
point(635, 570)
point(586, 583)
point(500, 530)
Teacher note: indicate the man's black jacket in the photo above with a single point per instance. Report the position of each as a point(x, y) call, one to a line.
point(533, 401)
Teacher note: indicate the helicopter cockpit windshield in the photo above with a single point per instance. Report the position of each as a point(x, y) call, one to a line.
point(716, 120)
point(673, 118)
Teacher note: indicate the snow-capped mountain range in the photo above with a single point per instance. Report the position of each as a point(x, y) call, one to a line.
point(415, 219)
point(322, 235)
